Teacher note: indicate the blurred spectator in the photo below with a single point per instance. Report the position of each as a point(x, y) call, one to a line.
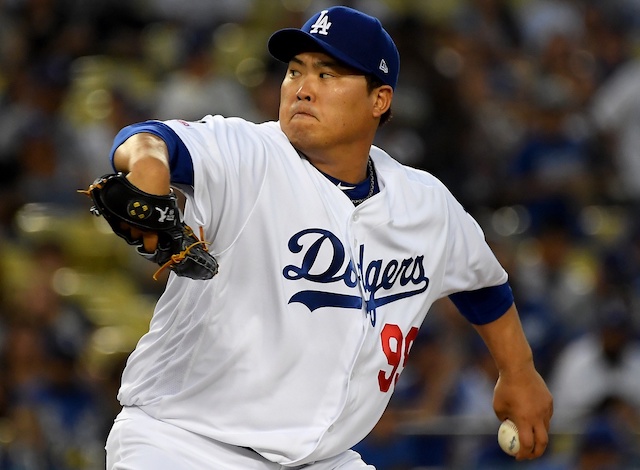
point(472, 400)
point(266, 95)
point(553, 279)
point(543, 19)
point(200, 13)
point(95, 137)
point(607, 442)
point(56, 414)
point(614, 110)
point(600, 449)
point(196, 88)
point(26, 448)
point(431, 374)
point(39, 303)
point(69, 411)
point(24, 362)
point(42, 145)
point(24, 357)
point(619, 266)
point(609, 35)
point(386, 448)
point(602, 363)
point(552, 165)
point(425, 389)
point(490, 22)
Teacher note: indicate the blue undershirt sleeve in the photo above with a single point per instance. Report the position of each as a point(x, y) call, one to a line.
point(485, 305)
point(180, 163)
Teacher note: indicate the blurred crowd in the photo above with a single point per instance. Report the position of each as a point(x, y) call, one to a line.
point(529, 111)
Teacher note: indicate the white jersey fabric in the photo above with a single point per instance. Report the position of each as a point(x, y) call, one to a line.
point(294, 348)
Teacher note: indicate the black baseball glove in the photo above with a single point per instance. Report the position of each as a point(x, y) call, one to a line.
point(124, 206)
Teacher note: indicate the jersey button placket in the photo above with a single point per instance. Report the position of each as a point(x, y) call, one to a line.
point(354, 256)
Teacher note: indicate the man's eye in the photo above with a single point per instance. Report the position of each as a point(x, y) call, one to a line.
point(326, 75)
point(293, 73)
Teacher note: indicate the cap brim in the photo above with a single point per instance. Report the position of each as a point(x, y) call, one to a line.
point(285, 44)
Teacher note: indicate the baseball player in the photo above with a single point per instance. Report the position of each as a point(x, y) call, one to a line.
point(330, 254)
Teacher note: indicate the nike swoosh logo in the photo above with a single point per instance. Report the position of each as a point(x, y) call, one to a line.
point(344, 188)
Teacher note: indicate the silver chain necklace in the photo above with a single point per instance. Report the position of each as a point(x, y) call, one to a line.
point(372, 184)
point(370, 174)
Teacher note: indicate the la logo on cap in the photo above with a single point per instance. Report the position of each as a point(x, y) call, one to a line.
point(322, 24)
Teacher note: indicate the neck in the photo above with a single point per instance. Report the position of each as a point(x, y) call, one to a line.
point(350, 169)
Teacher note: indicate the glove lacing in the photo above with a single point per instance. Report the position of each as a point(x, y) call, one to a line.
point(179, 257)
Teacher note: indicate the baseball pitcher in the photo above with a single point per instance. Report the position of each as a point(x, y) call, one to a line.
point(302, 268)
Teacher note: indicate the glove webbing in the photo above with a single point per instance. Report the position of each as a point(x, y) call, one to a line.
point(178, 257)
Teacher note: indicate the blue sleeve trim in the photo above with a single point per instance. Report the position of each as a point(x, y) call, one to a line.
point(180, 163)
point(483, 306)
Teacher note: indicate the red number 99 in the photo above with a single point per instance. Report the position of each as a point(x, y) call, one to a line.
point(396, 348)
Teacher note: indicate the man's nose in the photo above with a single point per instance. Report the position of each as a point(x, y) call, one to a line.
point(303, 93)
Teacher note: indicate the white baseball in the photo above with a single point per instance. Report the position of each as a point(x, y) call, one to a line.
point(508, 437)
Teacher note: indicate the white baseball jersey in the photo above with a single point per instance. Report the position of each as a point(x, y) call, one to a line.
point(295, 347)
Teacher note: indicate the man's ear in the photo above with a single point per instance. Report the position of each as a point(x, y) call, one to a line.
point(383, 96)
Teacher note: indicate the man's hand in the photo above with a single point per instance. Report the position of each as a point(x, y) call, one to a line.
point(145, 219)
point(523, 397)
point(149, 240)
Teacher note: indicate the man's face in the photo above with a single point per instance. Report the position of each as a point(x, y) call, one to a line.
point(324, 104)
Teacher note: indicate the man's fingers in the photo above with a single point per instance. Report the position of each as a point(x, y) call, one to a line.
point(149, 239)
point(136, 234)
point(533, 441)
point(527, 442)
point(541, 436)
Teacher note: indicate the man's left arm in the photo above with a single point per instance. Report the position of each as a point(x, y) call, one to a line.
point(520, 393)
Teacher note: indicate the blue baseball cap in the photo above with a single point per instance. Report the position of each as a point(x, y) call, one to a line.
point(350, 36)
